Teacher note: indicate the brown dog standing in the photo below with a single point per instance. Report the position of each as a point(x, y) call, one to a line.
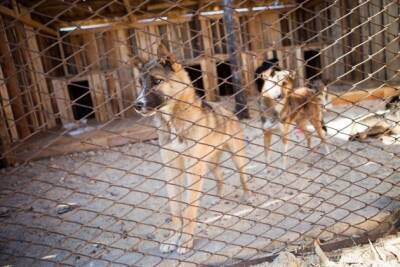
point(289, 106)
point(192, 135)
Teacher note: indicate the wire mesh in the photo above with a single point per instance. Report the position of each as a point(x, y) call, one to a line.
point(87, 180)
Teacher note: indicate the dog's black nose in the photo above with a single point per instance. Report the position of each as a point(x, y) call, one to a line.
point(138, 105)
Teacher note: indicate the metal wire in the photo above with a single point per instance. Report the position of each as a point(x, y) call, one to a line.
point(112, 180)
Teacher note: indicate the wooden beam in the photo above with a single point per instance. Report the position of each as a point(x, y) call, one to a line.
point(126, 81)
point(159, 6)
point(63, 100)
point(26, 79)
point(91, 51)
point(39, 77)
point(11, 81)
point(7, 110)
point(6, 152)
point(208, 67)
point(300, 66)
point(33, 23)
point(97, 92)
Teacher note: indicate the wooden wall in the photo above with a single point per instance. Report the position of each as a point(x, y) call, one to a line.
point(355, 41)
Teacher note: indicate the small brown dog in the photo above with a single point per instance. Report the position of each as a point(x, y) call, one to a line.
point(193, 135)
point(282, 103)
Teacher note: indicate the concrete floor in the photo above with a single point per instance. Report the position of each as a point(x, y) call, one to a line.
point(122, 208)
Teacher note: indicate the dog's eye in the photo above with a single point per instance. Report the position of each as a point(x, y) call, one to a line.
point(157, 81)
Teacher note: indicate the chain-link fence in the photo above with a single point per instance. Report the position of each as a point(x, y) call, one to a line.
point(115, 116)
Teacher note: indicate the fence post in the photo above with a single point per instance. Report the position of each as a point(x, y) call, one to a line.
point(241, 109)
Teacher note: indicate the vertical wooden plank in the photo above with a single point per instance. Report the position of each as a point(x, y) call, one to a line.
point(208, 67)
point(393, 42)
point(76, 43)
point(355, 39)
point(8, 113)
point(378, 60)
point(248, 73)
point(26, 77)
point(255, 33)
point(40, 78)
point(337, 48)
point(154, 39)
point(127, 88)
point(300, 69)
point(91, 51)
point(115, 92)
point(6, 154)
point(97, 87)
point(271, 24)
point(365, 31)
point(63, 101)
point(12, 84)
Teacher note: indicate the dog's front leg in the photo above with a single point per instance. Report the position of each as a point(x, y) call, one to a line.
point(195, 175)
point(267, 144)
point(174, 176)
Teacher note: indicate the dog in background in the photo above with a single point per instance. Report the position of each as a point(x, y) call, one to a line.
point(266, 65)
point(281, 102)
point(193, 134)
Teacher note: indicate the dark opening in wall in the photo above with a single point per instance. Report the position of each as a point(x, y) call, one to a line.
point(313, 64)
point(82, 105)
point(196, 76)
point(3, 162)
point(224, 78)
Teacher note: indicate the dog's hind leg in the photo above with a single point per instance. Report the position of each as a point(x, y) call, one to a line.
point(218, 174)
point(318, 127)
point(237, 146)
point(303, 126)
point(174, 176)
point(285, 139)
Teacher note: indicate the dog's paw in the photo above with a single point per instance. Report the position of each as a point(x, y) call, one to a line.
point(170, 244)
point(246, 197)
point(185, 244)
point(215, 200)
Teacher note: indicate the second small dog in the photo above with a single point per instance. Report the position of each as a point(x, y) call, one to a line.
point(282, 104)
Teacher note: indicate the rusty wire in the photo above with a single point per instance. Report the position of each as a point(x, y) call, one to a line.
point(32, 233)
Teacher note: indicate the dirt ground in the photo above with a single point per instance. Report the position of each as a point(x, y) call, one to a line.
point(121, 210)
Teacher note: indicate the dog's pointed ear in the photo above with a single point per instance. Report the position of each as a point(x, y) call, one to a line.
point(167, 58)
point(268, 73)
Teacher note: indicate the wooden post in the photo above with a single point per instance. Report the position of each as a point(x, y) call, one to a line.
point(300, 66)
point(92, 52)
point(366, 31)
point(26, 79)
point(7, 110)
point(10, 75)
point(376, 44)
point(40, 78)
point(393, 48)
point(96, 87)
point(241, 109)
point(207, 64)
point(126, 88)
point(63, 101)
point(337, 48)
